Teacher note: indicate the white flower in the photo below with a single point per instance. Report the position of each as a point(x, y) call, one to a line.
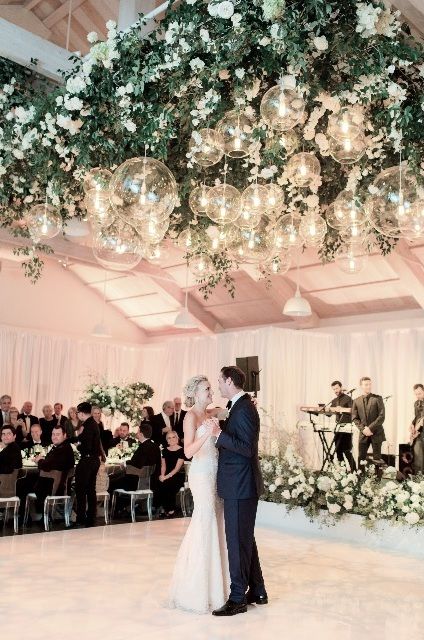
point(2, 170)
point(236, 19)
point(272, 488)
point(75, 85)
point(18, 154)
point(240, 73)
point(321, 43)
point(73, 104)
point(111, 25)
point(213, 9)
point(190, 1)
point(333, 507)
point(273, 9)
point(225, 9)
point(92, 37)
point(286, 494)
point(66, 122)
point(412, 517)
point(204, 34)
point(197, 63)
point(130, 125)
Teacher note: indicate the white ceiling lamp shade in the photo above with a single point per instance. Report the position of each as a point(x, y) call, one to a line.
point(101, 330)
point(297, 306)
point(184, 319)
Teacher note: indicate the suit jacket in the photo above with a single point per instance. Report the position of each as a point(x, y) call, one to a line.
point(10, 458)
point(178, 424)
point(59, 458)
point(28, 443)
point(117, 440)
point(369, 415)
point(239, 475)
point(158, 423)
point(146, 455)
point(89, 440)
point(32, 419)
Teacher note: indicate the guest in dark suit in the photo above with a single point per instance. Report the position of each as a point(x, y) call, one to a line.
point(239, 483)
point(27, 416)
point(5, 404)
point(34, 438)
point(163, 422)
point(47, 422)
point(59, 458)
point(10, 456)
point(123, 440)
point(89, 446)
point(341, 405)
point(147, 454)
point(105, 434)
point(179, 415)
point(368, 414)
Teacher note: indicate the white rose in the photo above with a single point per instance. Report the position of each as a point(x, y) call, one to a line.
point(225, 9)
point(130, 126)
point(240, 73)
point(236, 19)
point(204, 34)
point(213, 9)
point(272, 488)
point(286, 494)
point(321, 43)
point(110, 25)
point(333, 507)
point(92, 37)
point(412, 517)
point(73, 104)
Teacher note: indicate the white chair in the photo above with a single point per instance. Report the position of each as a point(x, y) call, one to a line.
point(185, 492)
point(104, 497)
point(52, 501)
point(8, 498)
point(143, 491)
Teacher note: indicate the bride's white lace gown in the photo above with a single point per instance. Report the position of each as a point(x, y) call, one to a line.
point(200, 581)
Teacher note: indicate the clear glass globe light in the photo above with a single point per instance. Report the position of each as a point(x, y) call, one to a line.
point(282, 109)
point(286, 233)
point(236, 130)
point(117, 248)
point(348, 150)
point(200, 265)
point(351, 258)
point(253, 246)
point(312, 229)
point(275, 198)
point(198, 200)
point(153, 230)
point(346, 123)
point(99, 208)
point(344, 211)
point(303, 168)
point(206, 147)
point(143, 187)
point(224, 204)
point(98, 179)
point(43, 221)
point(413, 227)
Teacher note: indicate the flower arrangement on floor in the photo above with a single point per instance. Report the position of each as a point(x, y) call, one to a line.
point(336, 492)
point(127, 400)
point(295, 107)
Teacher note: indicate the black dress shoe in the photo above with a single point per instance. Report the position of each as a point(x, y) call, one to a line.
point(251, 599)
point(230, 608)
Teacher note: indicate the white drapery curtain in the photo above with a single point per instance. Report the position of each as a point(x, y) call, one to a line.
point(297, 367)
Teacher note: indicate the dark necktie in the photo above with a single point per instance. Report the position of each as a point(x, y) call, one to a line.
point(229, 404)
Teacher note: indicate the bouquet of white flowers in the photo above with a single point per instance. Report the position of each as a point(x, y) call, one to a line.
point(127, 400)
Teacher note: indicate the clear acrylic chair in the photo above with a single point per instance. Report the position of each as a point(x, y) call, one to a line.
point(103, 496)
point(143, 491)
point(185, 492)
point(9, 501)
point(52, 501)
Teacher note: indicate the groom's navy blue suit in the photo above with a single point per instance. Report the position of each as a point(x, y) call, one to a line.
point(239, 483)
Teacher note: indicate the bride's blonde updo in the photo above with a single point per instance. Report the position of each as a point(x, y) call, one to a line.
point(190, 389)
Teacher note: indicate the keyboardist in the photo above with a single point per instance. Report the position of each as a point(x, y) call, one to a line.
point(341, 405)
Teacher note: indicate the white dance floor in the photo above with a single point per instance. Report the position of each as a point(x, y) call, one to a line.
point(111, 582)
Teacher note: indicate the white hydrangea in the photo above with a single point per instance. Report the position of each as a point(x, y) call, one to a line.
point(130, 126)
point(321, 43)
point(197, 64)
point(333, 507)
point(66, 122)
point(73, 103)
point(273, 9)
point(225, 9)
point(204, 34)
point(75, 85)
point(92, 37)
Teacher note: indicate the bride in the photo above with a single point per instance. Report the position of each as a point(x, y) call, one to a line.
point(200, 580)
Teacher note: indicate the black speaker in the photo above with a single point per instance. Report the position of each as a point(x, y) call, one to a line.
point(405, 459)
point(250, 368)
point(389, 459)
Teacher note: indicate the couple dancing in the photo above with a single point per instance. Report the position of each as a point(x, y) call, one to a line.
point(226, 482)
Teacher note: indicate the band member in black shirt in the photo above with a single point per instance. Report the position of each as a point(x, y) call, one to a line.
point(341, 405)
point(416, 430)
point(88, 439)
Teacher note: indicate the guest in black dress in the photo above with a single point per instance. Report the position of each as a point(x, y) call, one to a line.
point(47, 422)
point(172, 473)
point(147, 414)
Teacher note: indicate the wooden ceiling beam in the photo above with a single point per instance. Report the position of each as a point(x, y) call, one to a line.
point(62, 12)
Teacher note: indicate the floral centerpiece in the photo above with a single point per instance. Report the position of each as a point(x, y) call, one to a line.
point(122, 453)
point(112, 398)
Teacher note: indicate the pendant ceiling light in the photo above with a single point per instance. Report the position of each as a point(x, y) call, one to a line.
point(297, 306)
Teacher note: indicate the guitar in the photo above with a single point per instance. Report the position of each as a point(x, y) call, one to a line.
point(417, 430)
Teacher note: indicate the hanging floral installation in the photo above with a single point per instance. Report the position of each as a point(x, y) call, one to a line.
point(241, 130)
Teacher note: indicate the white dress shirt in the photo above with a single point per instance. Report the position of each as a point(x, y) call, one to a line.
point(167, 420)
point(235, 398)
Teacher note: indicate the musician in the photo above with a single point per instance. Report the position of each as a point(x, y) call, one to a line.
point(341, 405)
point(416, 430)
point(368, 414)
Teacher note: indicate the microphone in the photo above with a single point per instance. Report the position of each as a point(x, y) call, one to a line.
point(351, 391)
point(387, 397)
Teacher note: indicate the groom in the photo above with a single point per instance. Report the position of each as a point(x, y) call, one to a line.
point(239, 483)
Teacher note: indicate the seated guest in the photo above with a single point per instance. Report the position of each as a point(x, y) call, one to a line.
point(59, 458)
point(147, 414)
point(105, 434)
point(5, 404)
point(123, 439)
point(10, 455)
point(163, 423)
point(47, 422)
point(58, 408)
point(147, 454)
point(73, 423)
point(35, 438)
point(172, 474)
point(27, 416)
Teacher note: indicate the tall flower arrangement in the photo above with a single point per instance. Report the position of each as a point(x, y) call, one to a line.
point(127, 400)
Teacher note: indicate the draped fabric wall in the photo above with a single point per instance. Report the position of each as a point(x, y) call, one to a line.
point(297, 368)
